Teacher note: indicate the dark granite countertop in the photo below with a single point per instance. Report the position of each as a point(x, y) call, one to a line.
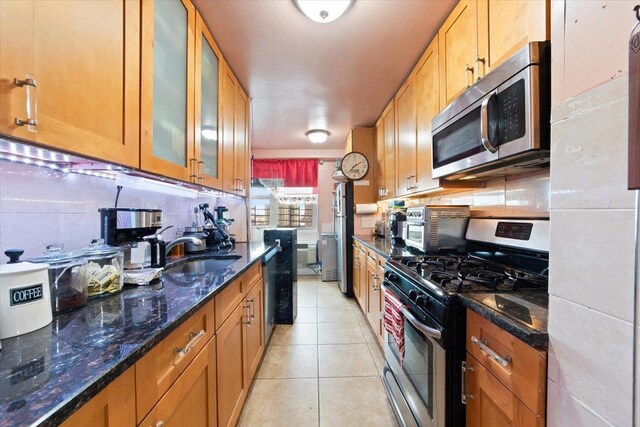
point(523, 314)
point(385, 247)
point(48, 374)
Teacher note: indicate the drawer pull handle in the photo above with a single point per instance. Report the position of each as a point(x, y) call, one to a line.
point(484, 347)
point(194, 339)
point(464, 396)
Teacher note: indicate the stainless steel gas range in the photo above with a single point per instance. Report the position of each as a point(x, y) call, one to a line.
point(502, 255)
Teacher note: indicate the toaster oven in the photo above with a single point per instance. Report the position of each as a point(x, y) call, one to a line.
point(434, 228)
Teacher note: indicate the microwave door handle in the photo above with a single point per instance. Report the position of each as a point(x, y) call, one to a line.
point(484, 125)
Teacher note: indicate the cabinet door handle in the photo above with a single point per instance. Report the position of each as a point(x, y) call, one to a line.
point(478, 62)
point(160, 423)
point(200, 171)
point(32, 102)
point(194, 339)
point(464, 395)
point(468, 70)
point(192, 166)
point(252, 314)
point(484, 347)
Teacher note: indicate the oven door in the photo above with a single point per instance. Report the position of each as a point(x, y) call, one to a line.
point(413, 234)
point(417, 385)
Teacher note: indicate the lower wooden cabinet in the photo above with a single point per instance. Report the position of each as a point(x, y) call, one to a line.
point(505, 378)
point(115, 406)
point(362, 278)
point(232, 370)
point(191, 400)
point(254, 329)
point(490, 403)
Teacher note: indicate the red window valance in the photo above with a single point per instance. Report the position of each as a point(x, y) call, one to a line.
point(294, 172)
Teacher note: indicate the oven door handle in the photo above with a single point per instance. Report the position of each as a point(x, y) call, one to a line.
point(420, 326)
point(432, 332)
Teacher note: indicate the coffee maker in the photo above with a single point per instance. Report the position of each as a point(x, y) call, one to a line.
point(135, 232)
point(217, 227)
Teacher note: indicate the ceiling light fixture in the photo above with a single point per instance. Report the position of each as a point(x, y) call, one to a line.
point(323, 11)
point(317, 136)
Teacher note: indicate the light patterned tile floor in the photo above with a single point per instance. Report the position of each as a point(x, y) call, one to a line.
point(323, 370)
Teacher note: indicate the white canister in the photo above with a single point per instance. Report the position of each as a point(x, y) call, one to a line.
point(25, 301)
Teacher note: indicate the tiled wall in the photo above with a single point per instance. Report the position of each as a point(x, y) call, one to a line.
point(39, 206)
point(592, 218)
point(520, 196)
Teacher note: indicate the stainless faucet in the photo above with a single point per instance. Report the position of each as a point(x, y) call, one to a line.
point(191, 239)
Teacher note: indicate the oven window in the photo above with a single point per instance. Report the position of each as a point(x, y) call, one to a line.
point(414, 233)
point(418, 363)
point(458, 141)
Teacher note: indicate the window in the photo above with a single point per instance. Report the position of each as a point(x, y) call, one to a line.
point(260, 215)
point(297, 216)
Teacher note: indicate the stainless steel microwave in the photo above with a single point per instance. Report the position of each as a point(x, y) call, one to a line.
point(501, 124)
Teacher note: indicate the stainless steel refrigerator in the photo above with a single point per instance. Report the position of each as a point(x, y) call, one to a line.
point(343, 230)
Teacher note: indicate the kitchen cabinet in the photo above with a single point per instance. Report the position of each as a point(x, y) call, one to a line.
point(505, 378)
point(361, 140)
point(406, 140)
point(389, 128)
point(479, 35)
point(241, 143)
point(374, 304)
point(167, 94)
point(362, 278)
point(115, 406)
point(378, 165)
point(232, 375)
point(356, 271)
point(254, 328)
point(458, 41)
point(84, 76)
point(191, 400)
point(159, 369)
point(492, 403)
point(506, 26)
point(427, 101)
point(208, 152)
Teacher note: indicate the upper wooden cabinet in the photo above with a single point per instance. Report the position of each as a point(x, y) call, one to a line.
point(208, 151)
point(481, 34)
point(378, 165)
point(241, 142)
point(84, 75)
point(406, 161)
point(389, 128)
point(458, 40)
point(506, 26)
point(167, 107)
point(427, 98)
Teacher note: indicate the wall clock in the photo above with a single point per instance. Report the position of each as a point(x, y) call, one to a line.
point(354, 165)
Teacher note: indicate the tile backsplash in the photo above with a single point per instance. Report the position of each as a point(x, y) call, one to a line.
point(520, 196)
point(39, 206)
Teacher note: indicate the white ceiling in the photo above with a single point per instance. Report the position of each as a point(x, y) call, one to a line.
point(303, 75)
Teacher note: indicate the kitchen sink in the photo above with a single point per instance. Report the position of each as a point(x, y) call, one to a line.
point(208, 265)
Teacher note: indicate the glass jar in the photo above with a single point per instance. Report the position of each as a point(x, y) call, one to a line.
point(68, 279)
point(105, 268)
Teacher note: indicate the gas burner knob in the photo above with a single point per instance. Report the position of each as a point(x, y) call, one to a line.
point(422, 301)
point(390, 276)
point(413, 295)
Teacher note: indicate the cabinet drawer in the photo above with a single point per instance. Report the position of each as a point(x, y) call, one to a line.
point(381, 261)
point(250, 277)
point(523, 369)
point(160, 368)
point(191, 401)
point(227, 301)
point(372, 257)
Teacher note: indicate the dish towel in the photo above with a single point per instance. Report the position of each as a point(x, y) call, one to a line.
point(394, 320)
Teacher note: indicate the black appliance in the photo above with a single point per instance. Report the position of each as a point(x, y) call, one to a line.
point(217, 232)
point(286, 263)
point(504, 255)
point(270, 292)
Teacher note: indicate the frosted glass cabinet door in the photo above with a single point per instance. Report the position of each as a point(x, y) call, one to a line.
point(207, 106)
point(167, 98)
